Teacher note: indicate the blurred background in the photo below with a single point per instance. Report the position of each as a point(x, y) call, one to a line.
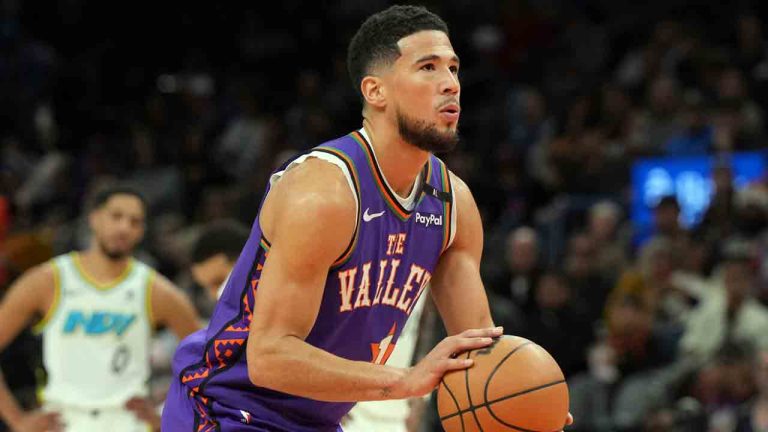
point(617, 152)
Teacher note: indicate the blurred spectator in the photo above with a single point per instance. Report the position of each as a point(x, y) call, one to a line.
point(739, 120)
point(719, 219)
point(753, 416)
point(660, 120)
point(692, 278)
point(725, 383)
point(697, 136)
point(559, 323)
point(588, 284)
point(752, 210)
point(751, 48)
point(667, 223)
point(729, 312)
point(610, 237)
point(651, 285)
point(243, 144)
point(529, 124)
point(523, 269)
point(577, 156)
point(617, 115)
point(611, 396)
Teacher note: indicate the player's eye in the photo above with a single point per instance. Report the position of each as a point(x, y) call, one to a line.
point(428, 67)
point(454, 70)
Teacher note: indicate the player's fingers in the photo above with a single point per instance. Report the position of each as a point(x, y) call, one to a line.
point(52, 422)
point(451, 364)
point(460, 345)
point(484, 332)
point(51, 416)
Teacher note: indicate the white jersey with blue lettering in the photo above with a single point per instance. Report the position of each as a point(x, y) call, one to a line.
point(96, 337)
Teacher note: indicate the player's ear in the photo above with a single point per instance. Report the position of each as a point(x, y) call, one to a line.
point(372, 88)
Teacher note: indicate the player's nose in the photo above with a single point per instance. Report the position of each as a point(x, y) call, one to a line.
point(450, 84)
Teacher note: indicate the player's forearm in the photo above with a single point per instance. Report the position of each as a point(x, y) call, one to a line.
point(290, 365)
point(459, 295)
point(10, 410)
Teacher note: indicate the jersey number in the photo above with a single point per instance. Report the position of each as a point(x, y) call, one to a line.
point(120, 359)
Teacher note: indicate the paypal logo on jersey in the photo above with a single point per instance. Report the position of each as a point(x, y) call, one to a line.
point(98, 323)
point(429, 219)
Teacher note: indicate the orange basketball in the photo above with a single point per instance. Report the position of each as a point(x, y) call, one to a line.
point(513, 385)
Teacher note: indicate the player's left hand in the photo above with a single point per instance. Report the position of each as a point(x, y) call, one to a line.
point(145, 410)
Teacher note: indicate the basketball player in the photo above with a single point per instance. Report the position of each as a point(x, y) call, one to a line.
point(98, 310)
point(347, 238)
point(214, 254)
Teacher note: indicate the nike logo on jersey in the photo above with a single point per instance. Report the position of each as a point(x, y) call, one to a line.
point(367, 217)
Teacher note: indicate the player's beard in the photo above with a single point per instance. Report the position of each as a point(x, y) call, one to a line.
point(426, 136)
point(114, 255)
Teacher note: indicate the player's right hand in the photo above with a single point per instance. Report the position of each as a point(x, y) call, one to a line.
point(39, 421)
point(426, 375)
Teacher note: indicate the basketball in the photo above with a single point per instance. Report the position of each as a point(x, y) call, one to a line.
point(513, 385)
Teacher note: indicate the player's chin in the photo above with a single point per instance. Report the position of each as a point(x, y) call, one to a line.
point(118, 252)
point(450, 130)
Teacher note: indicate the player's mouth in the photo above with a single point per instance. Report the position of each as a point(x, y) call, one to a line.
point(450, 112)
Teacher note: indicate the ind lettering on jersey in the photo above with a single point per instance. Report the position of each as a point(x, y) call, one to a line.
point(374, 284)
point(98, 323)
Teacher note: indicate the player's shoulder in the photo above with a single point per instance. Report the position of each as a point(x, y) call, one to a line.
point(38, 279)
point(315, 183)
point(312, 198)
point(462, 193)
point(45, 271)
point(144, 267)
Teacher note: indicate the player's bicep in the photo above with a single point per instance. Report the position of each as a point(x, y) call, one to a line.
point(457, 287)
point(310, 219)
point(29, 297)
point(172, 308)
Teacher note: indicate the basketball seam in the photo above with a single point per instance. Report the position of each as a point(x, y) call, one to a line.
point(502, 399)
point(469, 396)
point(485, 390)
point(455, 402)
point(521, 429)
point(488, 382)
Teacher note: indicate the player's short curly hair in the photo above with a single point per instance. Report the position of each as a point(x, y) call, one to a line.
point(102, 194)
point(375, 42)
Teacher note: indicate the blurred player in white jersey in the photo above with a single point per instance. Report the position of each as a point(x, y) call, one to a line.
point(96, 310)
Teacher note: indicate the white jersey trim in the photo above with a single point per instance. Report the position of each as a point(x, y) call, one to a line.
point(330, 158)
point(454, 212)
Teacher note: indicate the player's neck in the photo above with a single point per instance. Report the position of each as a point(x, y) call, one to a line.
point(400, 162)
point(102, 267)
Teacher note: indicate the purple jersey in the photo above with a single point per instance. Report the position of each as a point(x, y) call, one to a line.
point(369, 294)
